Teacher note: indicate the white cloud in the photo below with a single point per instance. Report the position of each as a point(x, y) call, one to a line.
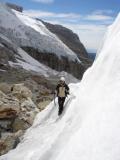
point(38, 14)
point(108, 12)
point(44, 1)
point(98, 17)
point(42, 14)
point(94, 16)
point(68, 15)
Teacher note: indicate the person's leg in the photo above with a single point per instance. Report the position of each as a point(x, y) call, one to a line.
point(61, 101)
point(60, 105)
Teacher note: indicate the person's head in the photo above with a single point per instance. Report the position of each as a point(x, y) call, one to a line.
point(62, 80)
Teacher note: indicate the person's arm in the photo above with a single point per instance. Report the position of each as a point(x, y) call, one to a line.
point(56, 90)
point(67, 89)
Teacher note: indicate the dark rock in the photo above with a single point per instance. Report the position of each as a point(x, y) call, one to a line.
point(10, 141)
point(8, 113)
point(19, 124)
point(15, 7)
point(56, 63)
point(7, 53)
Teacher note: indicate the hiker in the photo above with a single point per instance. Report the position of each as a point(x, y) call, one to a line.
point(62, 90)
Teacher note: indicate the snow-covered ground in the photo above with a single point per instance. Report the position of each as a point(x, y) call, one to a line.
point(26, 31)
point(89, 128)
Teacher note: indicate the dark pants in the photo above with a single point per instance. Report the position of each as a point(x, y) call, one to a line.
point(61, 101)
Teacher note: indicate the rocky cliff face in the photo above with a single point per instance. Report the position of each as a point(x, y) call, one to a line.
point(72, 40)
point(15, 7)
point(69, 38)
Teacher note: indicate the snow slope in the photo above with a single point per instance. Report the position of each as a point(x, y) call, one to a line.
point(25, 61)
point(89, 128)
point(30, 64)
point(26, 31)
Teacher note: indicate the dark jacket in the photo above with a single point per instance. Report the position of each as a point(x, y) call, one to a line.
point(66, 89)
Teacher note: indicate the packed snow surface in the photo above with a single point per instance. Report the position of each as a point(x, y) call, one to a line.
point(89, 128)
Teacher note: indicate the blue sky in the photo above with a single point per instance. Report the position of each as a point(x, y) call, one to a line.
point(88, 18)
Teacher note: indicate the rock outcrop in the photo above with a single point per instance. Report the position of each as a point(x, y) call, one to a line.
point(28, 109)
point(9, 107)
point(17, 113)
point(20, 91)
point(10, 141)
point(19, 104)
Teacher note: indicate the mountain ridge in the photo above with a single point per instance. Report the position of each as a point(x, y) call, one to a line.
point(24, 31)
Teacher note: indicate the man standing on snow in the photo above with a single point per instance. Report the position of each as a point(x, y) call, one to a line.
point(62, 90)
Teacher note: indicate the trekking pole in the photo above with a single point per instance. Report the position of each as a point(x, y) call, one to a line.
point(54, 99)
